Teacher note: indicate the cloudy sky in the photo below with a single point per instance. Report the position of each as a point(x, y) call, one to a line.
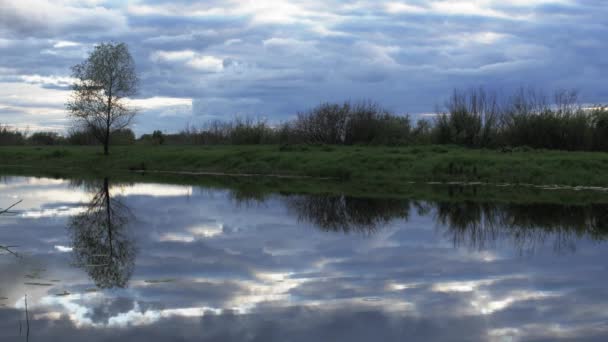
point(202, 60)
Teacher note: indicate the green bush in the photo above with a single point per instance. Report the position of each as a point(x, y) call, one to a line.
point(45, 138)
point(600, 133)
point(11, 136)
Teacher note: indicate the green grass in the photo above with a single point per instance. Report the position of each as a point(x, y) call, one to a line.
point(377, 169)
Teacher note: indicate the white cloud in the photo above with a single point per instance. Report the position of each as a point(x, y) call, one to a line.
point(401, 7)
point(380, 54)
point(63, 249)
point(48, 80)
point(191, 59)
point(65, 44)
point(172, 56)
point(487, 37)
point(195, 10)
point(233, 41)
point(4, 43)
point(31, 94)
point(206, 63)
point(468, 8)
point(483, 8)
point(289, 42)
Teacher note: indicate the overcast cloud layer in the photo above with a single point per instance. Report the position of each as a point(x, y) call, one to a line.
point(201, 60)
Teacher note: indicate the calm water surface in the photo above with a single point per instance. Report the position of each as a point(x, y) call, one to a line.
point(100, 261)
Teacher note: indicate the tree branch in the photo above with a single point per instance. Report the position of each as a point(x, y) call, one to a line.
point(7, 210)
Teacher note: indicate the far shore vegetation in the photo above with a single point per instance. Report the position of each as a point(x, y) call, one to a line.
point(475, 119)
point(523, 139)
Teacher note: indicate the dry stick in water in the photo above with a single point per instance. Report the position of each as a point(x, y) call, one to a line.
point(9, 208)
point(5, 211)
point(27, 322)
point(8, 249)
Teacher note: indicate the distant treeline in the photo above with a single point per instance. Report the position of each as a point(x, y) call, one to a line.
point(11, 136)
point(472, 118)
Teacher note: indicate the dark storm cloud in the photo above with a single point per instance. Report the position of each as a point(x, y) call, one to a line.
point(274, 59)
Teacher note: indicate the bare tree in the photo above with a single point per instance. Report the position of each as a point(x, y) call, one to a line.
point(567, 101)
point(103, 81)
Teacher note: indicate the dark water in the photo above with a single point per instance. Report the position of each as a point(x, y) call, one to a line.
point(146, 262)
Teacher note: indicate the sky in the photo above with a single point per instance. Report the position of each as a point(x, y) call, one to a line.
point(206, 60)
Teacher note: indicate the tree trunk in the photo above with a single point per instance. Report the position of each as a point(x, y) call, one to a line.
point(106, 144)
point(106, 141)
point(106, 189)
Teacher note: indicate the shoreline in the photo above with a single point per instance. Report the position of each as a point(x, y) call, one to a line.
point(82, 163)
point(379, 166)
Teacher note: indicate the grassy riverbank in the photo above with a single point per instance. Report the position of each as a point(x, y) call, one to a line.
point(374, 167)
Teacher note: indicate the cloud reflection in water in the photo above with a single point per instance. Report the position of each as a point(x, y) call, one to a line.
point(294, 267)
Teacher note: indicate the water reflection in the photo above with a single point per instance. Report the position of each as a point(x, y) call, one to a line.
point(346, 213)
point(468, 224)
point(100, 239)
point(296, 267)
point(526, 226)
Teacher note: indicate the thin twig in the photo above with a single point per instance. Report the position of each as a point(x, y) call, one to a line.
point(9, 208)
point(27, 322)
point(7, 248)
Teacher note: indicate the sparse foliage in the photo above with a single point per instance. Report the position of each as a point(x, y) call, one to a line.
point(103, 81)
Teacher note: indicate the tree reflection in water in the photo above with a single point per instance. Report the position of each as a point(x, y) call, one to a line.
point(471, 224)
point(526, 226)
point(346, 214)
point(101, 244)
